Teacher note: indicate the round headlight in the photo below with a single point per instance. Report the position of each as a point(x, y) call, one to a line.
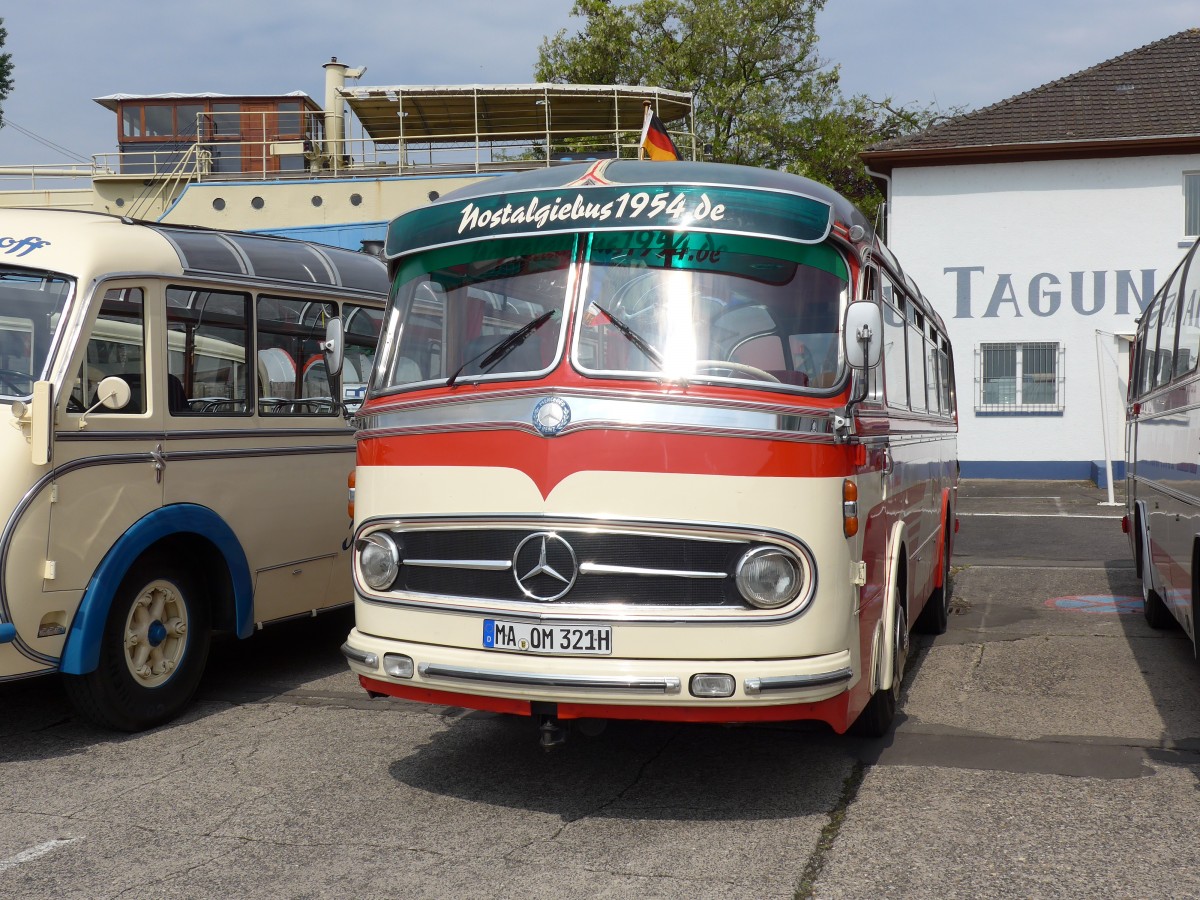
point(378, 560)
point(769, 577)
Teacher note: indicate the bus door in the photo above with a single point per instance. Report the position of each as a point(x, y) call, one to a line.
point(255, 409)
point(108, 470)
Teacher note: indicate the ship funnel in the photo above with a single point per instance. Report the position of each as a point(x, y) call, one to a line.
point(336, 74)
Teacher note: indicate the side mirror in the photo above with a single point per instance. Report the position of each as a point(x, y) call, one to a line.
point(862, 334)
point(333, 346)
point(113, 392)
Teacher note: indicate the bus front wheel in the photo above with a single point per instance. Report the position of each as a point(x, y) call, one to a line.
point(152, 653)
point(877, 716)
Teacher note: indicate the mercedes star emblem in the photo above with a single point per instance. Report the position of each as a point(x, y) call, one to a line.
point(551, 416)
point(545, 567)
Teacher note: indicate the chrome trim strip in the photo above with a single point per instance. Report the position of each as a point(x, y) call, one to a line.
point(511, 410)
point(589, 568)
point(1162, 488)
point(667, 685)
point(479, 565)
point(756, 686)
point(365, 657)
point(223, 434)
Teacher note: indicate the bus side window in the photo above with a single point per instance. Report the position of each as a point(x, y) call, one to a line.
point(1166, 333)
point(116, 347)
point(207, 337)
point(1189, 321)
point(291, 365)
point(362, 327)
point(895, 356)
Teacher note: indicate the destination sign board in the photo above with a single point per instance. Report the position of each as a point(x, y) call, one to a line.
point(777, 214)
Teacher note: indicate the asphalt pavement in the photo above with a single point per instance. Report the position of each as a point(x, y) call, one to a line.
point(1048, 745)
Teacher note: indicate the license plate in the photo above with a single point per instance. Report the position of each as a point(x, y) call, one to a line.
point(591, 640)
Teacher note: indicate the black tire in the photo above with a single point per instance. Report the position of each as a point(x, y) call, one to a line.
point(1156, 612)
point(880, 712)
point(160, 608)
point(935, 616)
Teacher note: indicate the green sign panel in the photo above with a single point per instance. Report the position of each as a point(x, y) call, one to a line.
point(777, 214)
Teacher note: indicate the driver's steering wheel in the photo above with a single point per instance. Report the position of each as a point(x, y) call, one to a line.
point(745, 369)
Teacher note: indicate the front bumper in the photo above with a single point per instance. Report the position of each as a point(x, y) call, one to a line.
point(607, 687)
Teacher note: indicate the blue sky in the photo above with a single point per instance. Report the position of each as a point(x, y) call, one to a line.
point(947, 52)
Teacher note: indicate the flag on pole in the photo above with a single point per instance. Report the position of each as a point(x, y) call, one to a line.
point(656, 143)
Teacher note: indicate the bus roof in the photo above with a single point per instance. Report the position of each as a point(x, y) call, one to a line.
point(83, 244)
point(587, 196)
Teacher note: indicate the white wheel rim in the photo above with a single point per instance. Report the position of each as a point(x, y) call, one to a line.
point(155, 633)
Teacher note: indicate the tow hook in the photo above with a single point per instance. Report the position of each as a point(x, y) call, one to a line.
point(552, 733)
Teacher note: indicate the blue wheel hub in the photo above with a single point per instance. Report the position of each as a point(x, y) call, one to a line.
point(157, 633)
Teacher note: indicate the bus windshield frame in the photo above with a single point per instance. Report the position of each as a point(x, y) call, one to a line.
point(660, 305)
point(32, 304)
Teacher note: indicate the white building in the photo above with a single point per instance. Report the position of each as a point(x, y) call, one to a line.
point(1040, 227)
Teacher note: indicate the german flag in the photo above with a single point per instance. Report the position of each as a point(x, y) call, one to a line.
point(656, 143)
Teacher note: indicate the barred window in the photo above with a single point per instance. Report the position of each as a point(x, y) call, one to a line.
point(1019, 377)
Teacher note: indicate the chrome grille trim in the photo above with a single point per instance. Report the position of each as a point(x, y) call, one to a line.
point(588, 568)
point(477, 565)
point(564, 611)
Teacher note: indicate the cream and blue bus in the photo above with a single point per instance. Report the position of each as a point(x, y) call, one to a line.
point(177, 446)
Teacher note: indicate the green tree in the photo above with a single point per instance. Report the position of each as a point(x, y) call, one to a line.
point(6, 67)
point(763, 95)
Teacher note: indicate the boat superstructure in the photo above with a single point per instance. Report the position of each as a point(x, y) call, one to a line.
point(284, 164)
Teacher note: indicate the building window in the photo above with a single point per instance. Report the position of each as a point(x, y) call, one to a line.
point(1191, 204)
point(1019, 377)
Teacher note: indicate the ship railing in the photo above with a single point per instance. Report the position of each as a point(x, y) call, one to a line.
point(272, 160)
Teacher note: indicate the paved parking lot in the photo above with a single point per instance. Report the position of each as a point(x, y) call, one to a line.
point(1049, 746)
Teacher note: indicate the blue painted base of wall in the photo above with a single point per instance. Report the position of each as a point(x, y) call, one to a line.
point(1043, 470)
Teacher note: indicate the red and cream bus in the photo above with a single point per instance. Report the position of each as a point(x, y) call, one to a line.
point(651, 440)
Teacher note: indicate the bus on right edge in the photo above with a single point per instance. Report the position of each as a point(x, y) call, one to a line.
point(1162, 450)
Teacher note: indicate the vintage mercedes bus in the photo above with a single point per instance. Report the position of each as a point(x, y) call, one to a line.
point(651, 440)
point(176, 448)
point(1162, 492)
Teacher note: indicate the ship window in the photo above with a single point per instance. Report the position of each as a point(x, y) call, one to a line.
point(288, 121)
point(131, 120)
point(225, 120)
point(158, 121)
point(186, 119)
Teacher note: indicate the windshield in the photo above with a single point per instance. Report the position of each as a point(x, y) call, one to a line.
point(469, 314)
point(652, 304)
point(712, 307)
point(31, 306)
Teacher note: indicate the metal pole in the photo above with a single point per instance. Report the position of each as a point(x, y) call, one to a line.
point(1104, 419)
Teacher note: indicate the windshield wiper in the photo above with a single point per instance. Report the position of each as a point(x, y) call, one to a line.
point(632, 336)
point(505, 347)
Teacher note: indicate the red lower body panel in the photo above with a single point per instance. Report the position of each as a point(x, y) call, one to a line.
point(833, 711)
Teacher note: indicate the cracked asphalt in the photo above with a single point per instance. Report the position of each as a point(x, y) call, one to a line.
point(1048, 746)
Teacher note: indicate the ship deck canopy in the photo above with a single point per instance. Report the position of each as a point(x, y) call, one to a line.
point(509, 112)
